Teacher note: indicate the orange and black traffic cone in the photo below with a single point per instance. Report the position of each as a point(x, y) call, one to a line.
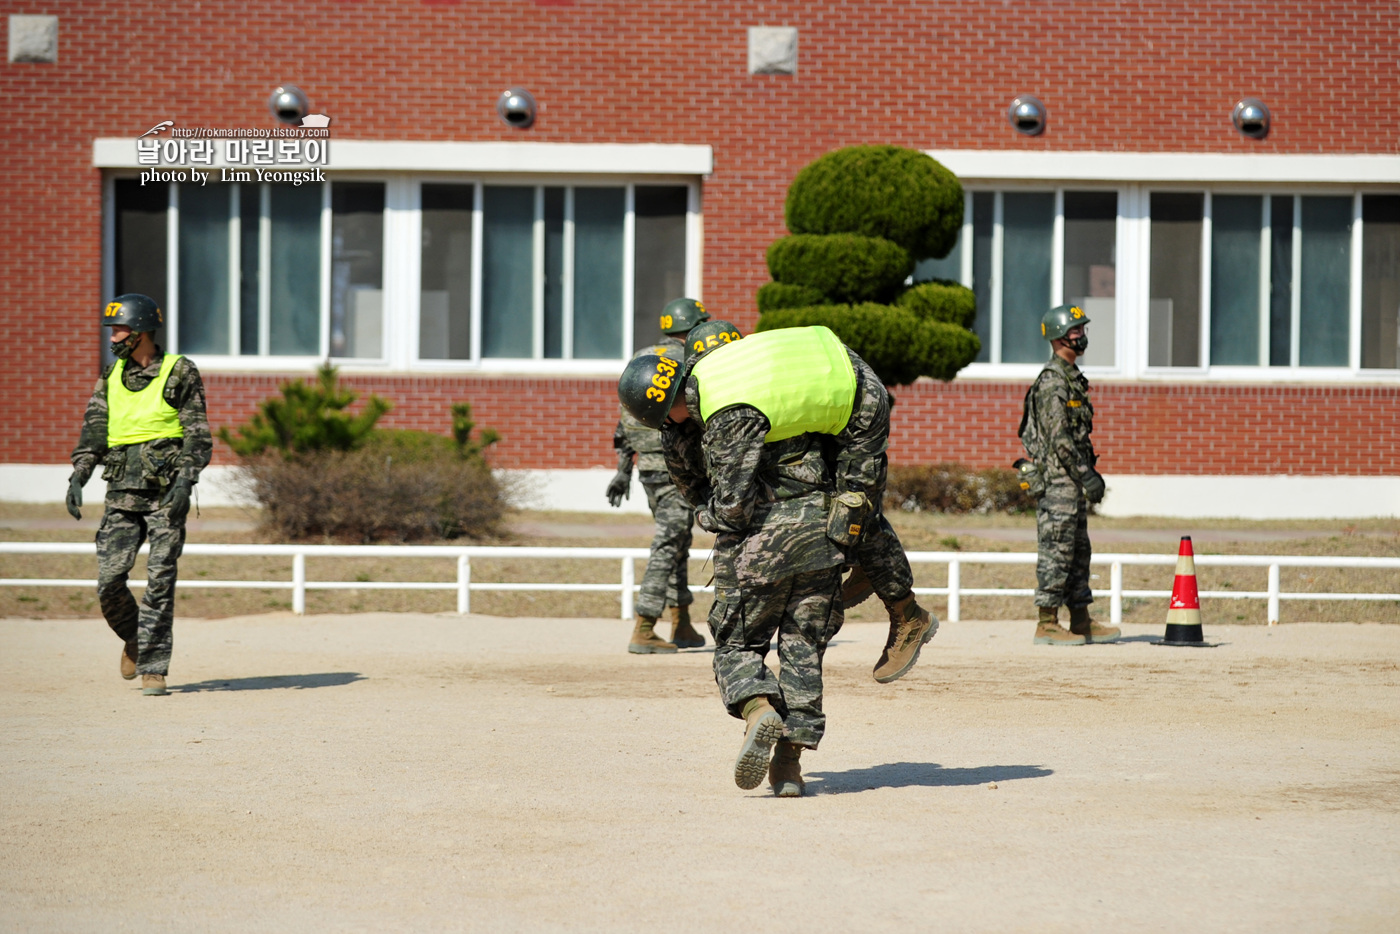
point(1184, 612)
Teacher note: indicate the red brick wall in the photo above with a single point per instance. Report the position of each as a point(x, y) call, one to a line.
point(1131, 76)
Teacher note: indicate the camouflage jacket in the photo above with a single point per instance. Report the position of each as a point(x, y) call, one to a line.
point(143, 470)
point(1058, 419)
point(632, 437)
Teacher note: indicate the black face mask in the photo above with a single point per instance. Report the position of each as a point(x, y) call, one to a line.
point(123, 348)
point(1078, 344)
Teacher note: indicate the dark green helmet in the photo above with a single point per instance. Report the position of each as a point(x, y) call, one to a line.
point(133, 310)
point(648, 387)
point(668, 348)
point(682, 314)
point(1059, 320)
point(706, 337)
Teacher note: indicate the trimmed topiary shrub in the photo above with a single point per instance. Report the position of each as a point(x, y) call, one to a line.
point(890, 192)
point(775, 295)
point(941, 300)
point(843, 267)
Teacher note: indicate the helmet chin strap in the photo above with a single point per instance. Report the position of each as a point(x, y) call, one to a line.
point(123, 349)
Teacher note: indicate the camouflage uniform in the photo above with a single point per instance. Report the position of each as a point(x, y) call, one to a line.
point(666, 581)
point(1055, 432)
point(775, 569)
point(138, 477)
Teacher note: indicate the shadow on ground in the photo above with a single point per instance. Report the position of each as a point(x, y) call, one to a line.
point(329, 679)
point(916, 774)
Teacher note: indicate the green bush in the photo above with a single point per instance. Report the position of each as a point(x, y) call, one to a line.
point(844, 267)
point(941, 300)
point(955, 488)
point(308, 417)
point(890, 192)
point(775, 295)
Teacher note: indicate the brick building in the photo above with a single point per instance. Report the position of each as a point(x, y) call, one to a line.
point(1245, 291)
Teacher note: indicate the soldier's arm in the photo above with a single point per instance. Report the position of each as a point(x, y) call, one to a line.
point(623, 448)
point(92, 440)
point(733, 454)
point(1052, 409)
point(185, 393)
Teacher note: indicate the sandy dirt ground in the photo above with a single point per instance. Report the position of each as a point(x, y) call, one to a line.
point(388, 772)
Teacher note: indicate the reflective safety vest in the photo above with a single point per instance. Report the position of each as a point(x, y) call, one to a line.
point(134, 417)
point(801, 379)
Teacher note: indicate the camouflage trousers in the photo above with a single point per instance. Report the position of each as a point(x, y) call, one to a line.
point(805, 612)
point(1062, 533)
point(119, 537)
point(666, 581)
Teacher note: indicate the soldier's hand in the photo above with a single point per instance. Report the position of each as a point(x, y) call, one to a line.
point(177, 498)
point(74, 499)
point(620, 488)
point(1093, 486)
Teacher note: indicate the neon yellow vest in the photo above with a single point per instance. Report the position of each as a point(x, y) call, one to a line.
point(133, 417)
point(800, 378)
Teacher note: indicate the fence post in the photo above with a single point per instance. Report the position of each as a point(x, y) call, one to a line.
point(1273, 594)
point(954, 590)
point(299, 583)
point(629, 579)
point(1115, 599)
point(464, 584)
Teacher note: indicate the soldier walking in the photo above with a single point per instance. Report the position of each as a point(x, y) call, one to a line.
point(146, 425)
point(666, 582)
point(1056, 422)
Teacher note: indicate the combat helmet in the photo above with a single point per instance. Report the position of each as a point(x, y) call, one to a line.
point(1058, 320)
point(682, 314)
point(133, 310)
point(648, 386)
point(706, 337)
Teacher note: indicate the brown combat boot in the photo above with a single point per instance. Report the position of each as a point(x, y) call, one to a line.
point(645, 641)
point(1082, 624)
point(682, 633)
point(785, 771)
point(129, 660)
point(1049, 631)
point(911, 627)
point(857, 588)
point(153, 685)
point(763, 728)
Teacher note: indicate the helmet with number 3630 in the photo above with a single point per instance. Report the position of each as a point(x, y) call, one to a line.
point(648, 387)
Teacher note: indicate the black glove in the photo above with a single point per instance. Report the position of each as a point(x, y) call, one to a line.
point(177, 498)
point(1093, 486)
point(74, 499)
point(620, 488)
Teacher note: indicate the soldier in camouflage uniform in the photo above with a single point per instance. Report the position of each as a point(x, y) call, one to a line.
point(152, 442)
point(1055, 427)
point(666, 582)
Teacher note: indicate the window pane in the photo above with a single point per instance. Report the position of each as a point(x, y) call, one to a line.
point(357, 269)
point(949, 267)
point(1174, 306)
point(1236, 221)
point(1028, 222)
point(139, 260)
point(204, 273)
point(554, 272)
point(295, 276)
point(1324, 282)
point(1380, 281)
point(249, 236)
point(599, 214)
point(983, 214)
point(1281, 281)
point(1091, 268)
point(658, 257)
point(507, 271)
point(445, 303)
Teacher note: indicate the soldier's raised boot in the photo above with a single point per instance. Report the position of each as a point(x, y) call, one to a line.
point(911, 627)
point(129, 660)
point(1082, 624)
point(762, 728)
point(1048, 630)
point(645, 641)
point(785, 771)
point(857, 588)
point(682, 633)
point(153, 685)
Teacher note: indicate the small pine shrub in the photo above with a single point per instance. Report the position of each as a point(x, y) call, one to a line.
point(941, 300)
point(309, 417)
point(956, 489)
point(843, 267)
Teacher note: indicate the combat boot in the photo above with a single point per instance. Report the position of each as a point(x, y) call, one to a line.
point(129, 660)
point(785, 771)
point(645, 641)
point(1049, 631)
point(682, 633)
point(153, 685)
point(857, 588)
point(911, 627)
point(1082, 624)
point(763, 727)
